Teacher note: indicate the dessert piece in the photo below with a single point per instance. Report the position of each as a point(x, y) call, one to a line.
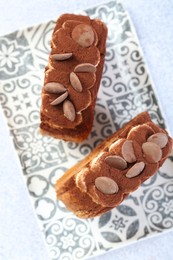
point(72, 77)
point(116, 167)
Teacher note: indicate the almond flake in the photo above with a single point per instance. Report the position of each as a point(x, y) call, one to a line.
point(128, 151)
point(61, 56)
point(152, 152)
point(54, 88)
point(160, 139)
point(75, 82)
point(85, 67)
point(135, 170)
point(116, 161)
point(106, 185)
point(69, 110)
point(60, 99)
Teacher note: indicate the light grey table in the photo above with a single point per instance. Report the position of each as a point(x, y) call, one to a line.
point(20, 237)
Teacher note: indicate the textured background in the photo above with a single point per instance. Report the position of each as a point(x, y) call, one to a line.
point(20, 237)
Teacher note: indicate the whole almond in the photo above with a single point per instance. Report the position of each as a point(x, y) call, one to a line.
point(135, 170)
point(128, 151)
point(106, 185)
point(152, 152)
point(69, 110)
point(75, 82)
point(160, 139)
point(116, 161)
point(60, 99)
point(83, 34)
point(85, 67)
point(54, 88)
point(61, 56)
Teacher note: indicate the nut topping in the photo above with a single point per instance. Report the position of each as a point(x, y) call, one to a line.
point(116, 161)
point(75, 82)
point(128, 151)
point(61, 56)
point(106, 185)
point(69, 110)
point(83, 34)
point(85, 67)
point(160, 139)
point(114, 145)
point(60, 99)
point(152, 152)
point(54, 88)
point(135, 170)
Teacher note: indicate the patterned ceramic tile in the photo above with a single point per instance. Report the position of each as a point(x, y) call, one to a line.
point(123, 108)
point(127, 69)
point(70, 238)
point(16, 58)
point(35, 151)
point(157, 202)
point(41, 188)
point(126, 89)
point(20, 98)
point(126, 222)
point(39, 41)
point(114, 15)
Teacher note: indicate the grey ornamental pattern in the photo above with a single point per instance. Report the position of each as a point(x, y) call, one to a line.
point(126, 89)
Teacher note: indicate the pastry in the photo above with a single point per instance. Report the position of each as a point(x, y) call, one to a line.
point(72, 77)
point(116, 167)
